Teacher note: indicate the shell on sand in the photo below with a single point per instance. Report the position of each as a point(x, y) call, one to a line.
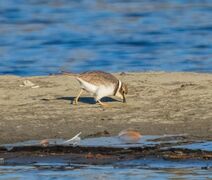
point(129, 136)
point(28, 83)
point(44, 142)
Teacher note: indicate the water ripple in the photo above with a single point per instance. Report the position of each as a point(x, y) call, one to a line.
point(41, 37)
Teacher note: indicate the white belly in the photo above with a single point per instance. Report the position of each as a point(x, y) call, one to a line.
point(98, 91)
point(87, 86)
point(103, 91)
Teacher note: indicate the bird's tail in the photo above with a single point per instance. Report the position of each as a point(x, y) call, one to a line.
point(65, 73)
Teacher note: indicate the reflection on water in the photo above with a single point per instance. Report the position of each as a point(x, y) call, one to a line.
point(41, 36)
point(101, 172)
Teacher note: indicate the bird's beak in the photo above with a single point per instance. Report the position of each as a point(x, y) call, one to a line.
point(124, 98)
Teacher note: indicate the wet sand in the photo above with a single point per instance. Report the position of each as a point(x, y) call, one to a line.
point(157, 103)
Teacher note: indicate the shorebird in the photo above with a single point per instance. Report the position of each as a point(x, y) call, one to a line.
point(101, 84)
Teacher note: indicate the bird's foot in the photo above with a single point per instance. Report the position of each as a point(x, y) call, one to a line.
point(75, 101)
point(104, 105)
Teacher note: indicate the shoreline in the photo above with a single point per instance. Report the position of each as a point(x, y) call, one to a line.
point(158, 103)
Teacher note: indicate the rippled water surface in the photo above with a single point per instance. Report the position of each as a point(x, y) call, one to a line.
point(39, 37)
point(102, 173)
point(147, 168)
point(59, 167)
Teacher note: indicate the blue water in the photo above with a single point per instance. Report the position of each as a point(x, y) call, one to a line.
point(38, 37)
point(142, 168)
point(106, 172)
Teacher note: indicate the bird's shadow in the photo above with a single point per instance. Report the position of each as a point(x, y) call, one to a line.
point(87, 100)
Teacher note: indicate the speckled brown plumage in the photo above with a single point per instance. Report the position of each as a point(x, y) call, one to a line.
point(99, 78)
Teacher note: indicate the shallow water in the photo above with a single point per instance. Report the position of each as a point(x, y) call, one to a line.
point(57, 167)
point(38, 37)
point(205, 146)
point(115, 141)
point(103, 172)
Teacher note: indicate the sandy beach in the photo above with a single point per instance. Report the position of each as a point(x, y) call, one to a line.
point(157, 103)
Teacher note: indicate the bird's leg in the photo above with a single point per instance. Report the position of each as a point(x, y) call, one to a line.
point(103, 104)
point(75, 101)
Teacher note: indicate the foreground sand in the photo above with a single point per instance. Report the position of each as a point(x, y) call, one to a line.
point(158, 103)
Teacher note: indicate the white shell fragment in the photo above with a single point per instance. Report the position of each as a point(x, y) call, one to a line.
point(73, 141)
point(28, 83)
